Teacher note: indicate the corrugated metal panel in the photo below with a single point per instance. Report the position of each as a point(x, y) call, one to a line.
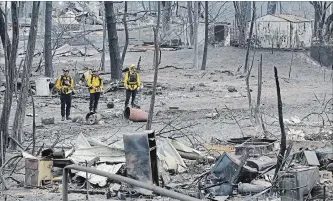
point(291, 18)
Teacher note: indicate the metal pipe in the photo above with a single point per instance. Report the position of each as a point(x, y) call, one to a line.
point(151, 187)
point(65, 178)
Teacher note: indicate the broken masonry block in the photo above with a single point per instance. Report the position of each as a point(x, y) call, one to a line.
point(37, 170)
point(48, 121)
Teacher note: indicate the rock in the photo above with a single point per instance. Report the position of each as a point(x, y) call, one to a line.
point(2, 88)
point(198, 95)
point(232, 89)
point(192, 88)
point(78, 119)
point(211, 115)
point(214, 80)
point(33, 91)
point(150, 92)
point(202, 84)
point(110, 105)
point(48, 121)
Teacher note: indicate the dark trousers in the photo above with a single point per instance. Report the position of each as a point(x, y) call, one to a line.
point(130, 93)
point(66, 101)
point(94, 97)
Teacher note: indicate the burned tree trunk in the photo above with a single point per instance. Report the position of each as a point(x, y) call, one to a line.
point(190, 20)
point(23, 99)
point(257, 108)
point(21, 8)
point(283, 142)
point(204, 59)
point(196, 19)
point(156, 41)
point(250, 38)
point(104, 39)
point(115, 61)
point(10, 71)
point(166, 17)
point(126, 34)
point(48, 40)
point(320, 18)
point(4, 34)
point(271, 7)
point(240, 19)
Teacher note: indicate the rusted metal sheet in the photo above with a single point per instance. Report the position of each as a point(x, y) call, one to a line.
point(298, 182)
point(100, 180)
point(141, 158)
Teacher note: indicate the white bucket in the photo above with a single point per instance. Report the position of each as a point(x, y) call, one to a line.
point(42, 86)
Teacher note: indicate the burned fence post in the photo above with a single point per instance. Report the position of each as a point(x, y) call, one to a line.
point(65, 180)
point(283, 132)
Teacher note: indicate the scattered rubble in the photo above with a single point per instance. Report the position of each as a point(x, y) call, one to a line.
point(232, 89)
point(48, 121)
point(246, 166)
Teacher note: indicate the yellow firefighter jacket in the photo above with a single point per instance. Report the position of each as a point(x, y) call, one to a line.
point(132, 80)
point(95, 84)
point(65, 84)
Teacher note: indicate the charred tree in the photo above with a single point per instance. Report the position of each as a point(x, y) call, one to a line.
point(10, 72)
point(250, 38)
point(104, 39)
point(21, 8)
point(271, 7)
point(156, 43)
point(48, 40)
point(283, 142)
point(320, 8)
point(4, 34)
point(196, 20)
point(190, 20)
point(166, 19)
point(241, 8)
point(23, 98)
point(204, 59)
point(126, 34)
point(115, 61)
point(257, 108)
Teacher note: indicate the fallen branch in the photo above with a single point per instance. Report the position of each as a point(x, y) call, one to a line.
point(55, 142)
point(167, 66)
point(18, 144)
point(232, 115)
point(177, 129)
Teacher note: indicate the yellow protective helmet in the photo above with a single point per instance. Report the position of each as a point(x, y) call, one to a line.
point(132, 66)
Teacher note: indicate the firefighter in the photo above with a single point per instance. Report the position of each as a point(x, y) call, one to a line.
point(95, 85)
point(65, 86)
point(132, 84)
